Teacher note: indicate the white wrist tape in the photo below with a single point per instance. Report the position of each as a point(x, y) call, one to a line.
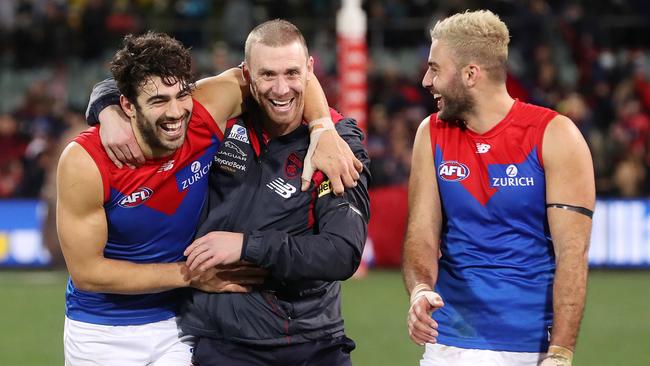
point(562, 355)
point(316, 128)
point(417, 289)
point(324, 123)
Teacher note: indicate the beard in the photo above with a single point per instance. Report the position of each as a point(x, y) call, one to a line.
point(149, 132)
point(457, 103)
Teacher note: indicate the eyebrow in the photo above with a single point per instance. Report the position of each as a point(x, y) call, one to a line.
point(432, 64)
point(157, 97)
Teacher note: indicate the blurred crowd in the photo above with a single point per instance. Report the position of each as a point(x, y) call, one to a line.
point(589, 61)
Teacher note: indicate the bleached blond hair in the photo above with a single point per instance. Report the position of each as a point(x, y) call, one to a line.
point(476, 37)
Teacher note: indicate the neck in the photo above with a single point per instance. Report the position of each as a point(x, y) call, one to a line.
point(492, 105)
point(274, 129)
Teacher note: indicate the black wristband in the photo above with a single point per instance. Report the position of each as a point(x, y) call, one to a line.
point(581, 210)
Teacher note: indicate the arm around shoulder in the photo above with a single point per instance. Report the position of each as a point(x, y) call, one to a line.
point(222, 95)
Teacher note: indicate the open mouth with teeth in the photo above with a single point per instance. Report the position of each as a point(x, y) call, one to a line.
point(282, 105)
point(438, 99)
point(172, 128)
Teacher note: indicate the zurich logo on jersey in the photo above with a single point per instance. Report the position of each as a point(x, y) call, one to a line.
point(453, 171)
point(136, 198)
point(238, 133)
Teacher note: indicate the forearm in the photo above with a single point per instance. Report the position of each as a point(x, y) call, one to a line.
point(104, 94)
point(316, 106)
point(569, 294)
point(419, 262)
point(128, 278)
point(328, 256)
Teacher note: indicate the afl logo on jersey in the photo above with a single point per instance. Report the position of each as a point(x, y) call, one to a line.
point(136, 198)
point(453, 171)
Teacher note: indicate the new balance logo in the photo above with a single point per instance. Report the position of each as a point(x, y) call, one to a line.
point(282, 188)
point(482, 148)
point(166, 166)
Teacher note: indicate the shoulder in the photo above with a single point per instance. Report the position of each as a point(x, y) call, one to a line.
point(562, 140)
point(75, 159)
point(78, 174)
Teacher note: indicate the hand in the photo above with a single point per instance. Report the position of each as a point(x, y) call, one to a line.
point(422, 328)
point(214, 248)
point(118, 138)
point(334, 158)
point(557, 356)
point(239, 277)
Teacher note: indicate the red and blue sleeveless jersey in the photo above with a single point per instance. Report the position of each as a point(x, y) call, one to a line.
point(497, 262)
point(152, 214)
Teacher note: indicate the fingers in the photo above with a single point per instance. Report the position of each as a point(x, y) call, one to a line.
point(307, 173)
point(358, 165)
point(422, 328)
point(337, 185)
point(126, 153)
point(136, 153)
point(113, 158)
point(233, 287)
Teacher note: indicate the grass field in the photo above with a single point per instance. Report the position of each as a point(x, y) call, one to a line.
point(615, 331)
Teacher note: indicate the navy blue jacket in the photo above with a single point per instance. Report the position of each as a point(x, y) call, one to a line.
point(308, 241)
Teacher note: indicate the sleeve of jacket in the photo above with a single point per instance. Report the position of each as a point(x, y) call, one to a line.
point(104, 93)
point(334, 251)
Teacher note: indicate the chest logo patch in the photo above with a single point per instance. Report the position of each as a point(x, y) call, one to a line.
point(231, 145)
point(324, 188)
point(482, 148)
point(136, 198)
point(292, 166)
point(238, 133)
point(279, 186)
point(453, 171)
point(513, 179)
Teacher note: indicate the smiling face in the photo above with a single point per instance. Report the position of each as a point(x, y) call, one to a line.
point(161, 116)
point(444, 81)
point(278, 76)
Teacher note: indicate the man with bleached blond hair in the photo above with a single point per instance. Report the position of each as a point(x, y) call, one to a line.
point(501, 195)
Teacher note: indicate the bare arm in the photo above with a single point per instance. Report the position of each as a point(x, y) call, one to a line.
point(327, 152)
point(83, 232)
point(82, 228)
point(421, 245)
point(569, 180)
point(222, 95)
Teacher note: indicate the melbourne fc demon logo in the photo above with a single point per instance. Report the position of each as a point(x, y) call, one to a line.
point(292, 166)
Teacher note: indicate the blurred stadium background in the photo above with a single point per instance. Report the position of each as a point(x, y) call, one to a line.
point(587, 59)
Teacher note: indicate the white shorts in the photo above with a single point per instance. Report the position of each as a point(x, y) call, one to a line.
point(156, 344)
point(441, 355)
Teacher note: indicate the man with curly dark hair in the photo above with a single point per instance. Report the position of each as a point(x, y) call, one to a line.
point(123, 231)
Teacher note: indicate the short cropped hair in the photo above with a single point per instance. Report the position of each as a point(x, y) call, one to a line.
point(476, 36)
point(274, 33)
point(147, 55)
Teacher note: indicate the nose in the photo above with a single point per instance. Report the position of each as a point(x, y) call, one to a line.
point(175, 109)
point(427, 80)
point(281, 86)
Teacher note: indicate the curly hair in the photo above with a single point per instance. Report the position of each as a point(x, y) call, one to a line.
point(147, 55)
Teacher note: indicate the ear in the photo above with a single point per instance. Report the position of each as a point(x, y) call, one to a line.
point(310, 67)
point(127, 106)
point(471, 73)
point(246, 72)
